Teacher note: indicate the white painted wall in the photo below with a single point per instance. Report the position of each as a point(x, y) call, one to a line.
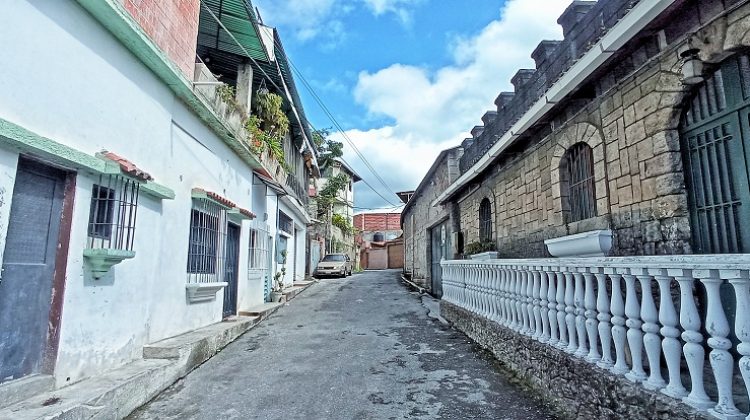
point(71, 81)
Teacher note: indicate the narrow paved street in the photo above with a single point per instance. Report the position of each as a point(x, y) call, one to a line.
point(356, 348)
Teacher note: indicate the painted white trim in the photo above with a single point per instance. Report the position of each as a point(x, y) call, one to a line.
point(630, 25)
point(596, 243)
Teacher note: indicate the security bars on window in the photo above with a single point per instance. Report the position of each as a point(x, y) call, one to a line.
point(206, 247)
point(581, 201)
point(258, 247)
point(113, 211)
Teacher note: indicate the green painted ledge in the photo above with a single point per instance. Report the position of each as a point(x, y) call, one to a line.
point(113, 16)
point(25, 141)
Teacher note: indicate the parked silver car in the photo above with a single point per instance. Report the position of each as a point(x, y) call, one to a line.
point(334, 265)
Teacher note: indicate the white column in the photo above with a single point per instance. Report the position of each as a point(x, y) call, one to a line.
point(604, 317)
point(591, 321)
point(635, 334)
point(651, 339)
point(618, 320)
point(741, 286)
point(543, 302)
point(721, 360)
point(693, 348)
point(554, 330)
point(670, 344)
point(570, 310)
point(560, 298)
point(580, 311)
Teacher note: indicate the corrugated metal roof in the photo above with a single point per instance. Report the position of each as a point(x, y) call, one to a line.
point(238, 16)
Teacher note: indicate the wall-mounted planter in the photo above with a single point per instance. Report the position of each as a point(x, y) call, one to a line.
point(102, 260)
point(203, 292)
point(491, 255)
point(596, 243)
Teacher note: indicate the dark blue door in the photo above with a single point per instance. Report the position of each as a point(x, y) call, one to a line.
point(28, 268)
point(230, 269)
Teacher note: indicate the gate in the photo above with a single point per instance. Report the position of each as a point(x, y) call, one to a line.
point(714, 133)
point(230, 270)
point(440, 249)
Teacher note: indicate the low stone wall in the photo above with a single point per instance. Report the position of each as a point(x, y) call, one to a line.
point(577, 388)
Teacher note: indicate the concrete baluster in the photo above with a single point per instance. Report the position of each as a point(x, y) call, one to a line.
point(604, 317)
point(542, 305)
point(554, 332)
point(670, 344)
point(693, 348)
point(741, 286)
point(650, 327)
point(520, 313)
point(570, 310)
point(618, 325)
point(591, 322)
point(562, 327)
point(580, 311)
point(532, 278)
point(504, 295)
point(721, 360)
point(635, 333)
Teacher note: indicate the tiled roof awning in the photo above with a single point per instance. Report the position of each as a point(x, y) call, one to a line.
point(224, 202)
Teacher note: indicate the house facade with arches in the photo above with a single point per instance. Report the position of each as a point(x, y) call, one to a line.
point(635, 148)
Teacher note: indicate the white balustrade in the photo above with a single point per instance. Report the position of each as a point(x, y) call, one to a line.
point(578, 306)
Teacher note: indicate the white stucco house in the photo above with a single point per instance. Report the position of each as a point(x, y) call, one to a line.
point(134, 206)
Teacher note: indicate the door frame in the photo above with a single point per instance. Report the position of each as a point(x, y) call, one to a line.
point(228, 288)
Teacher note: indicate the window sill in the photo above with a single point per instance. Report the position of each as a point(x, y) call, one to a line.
point(102, 260)
point(203, 292)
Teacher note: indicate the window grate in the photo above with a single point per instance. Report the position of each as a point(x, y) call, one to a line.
point(578, 183)
point(207, 244)
point(258, 246)
point(113, 212)
point(485, 221)
point(285, 223)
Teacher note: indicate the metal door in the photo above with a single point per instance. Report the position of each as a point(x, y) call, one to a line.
point(715, 132)
point(28, 269)
point(231, 269)
point(440, 249)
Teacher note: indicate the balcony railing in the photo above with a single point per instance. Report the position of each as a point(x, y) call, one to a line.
point(608, 311)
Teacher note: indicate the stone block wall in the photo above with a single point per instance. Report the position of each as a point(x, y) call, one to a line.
point(419, 216)
point(630, 118)
point(172, 25)
point(577, 388)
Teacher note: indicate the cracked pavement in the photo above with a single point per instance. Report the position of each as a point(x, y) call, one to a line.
point(357, 348)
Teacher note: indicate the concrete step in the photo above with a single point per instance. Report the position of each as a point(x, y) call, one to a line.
point(263, 311)
point(112, 395)
point(24, 388)
point(197, 346)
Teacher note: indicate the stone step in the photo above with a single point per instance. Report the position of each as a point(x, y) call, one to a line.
point(263, 311)
point(24, 388)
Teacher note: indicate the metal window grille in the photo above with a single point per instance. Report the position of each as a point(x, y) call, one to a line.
point(485, 220)
point(579, 179)
point(258, 246)
point(112, 214)
point(207, 244)
point(285, 223)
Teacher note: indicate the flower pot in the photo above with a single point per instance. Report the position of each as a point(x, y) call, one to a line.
point(276, 296)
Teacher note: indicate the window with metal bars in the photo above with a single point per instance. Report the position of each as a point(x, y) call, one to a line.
point(112, 213)
point(485, 221)
point(577, 183)
point(206, 246)
point(258, 247)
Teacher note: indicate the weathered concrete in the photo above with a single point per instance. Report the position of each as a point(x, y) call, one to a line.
point(356, 348)
point(21, 389)
point(580, 389)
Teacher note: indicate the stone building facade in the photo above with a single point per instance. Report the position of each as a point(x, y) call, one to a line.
point(629, 113)
point(425, 225)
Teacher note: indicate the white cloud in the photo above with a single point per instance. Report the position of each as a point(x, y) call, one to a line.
point(434, 109)
point(400, 8)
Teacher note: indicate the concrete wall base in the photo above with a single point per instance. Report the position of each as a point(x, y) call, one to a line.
point(577, 388)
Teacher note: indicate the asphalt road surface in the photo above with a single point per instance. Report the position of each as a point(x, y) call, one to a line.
point(364, 347)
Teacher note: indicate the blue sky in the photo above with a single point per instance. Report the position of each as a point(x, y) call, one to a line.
point(407, 78)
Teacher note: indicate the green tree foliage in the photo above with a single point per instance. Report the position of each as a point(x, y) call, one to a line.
point(341, 222)
point(269, 124)
point(328, 150)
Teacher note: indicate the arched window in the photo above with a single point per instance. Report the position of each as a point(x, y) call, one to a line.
point(577, 183)
point(485, 221)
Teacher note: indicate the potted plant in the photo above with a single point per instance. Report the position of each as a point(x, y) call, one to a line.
point(278, 286)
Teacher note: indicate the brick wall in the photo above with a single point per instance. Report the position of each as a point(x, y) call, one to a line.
point(172, 25)
point(377, 222)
